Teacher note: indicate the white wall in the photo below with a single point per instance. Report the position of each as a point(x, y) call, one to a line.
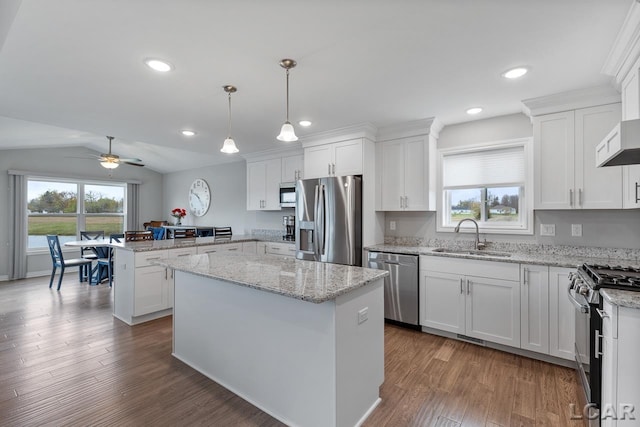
point(61, 162)
point(603, 228)
point(228, 184)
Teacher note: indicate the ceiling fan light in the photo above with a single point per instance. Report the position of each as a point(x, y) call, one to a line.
point(229, 146)
point(287, 133)
point(109, 164)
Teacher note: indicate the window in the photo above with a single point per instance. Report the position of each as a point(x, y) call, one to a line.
point(488, 184)
point(66, 207)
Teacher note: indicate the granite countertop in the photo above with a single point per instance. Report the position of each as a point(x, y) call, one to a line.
point(155, 245)
point(621, 298)
point(311, 281)
point(530, 257)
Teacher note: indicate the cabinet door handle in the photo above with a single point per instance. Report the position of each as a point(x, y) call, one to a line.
point(571, 197)
point(461, 286)
point(637, 198)
point(524, 276)
point(579, 196)
point(329, 169)
point(468, 286)
point(597, 351)
point(406, 202)
point(333, 167)
point(165, 274)
point(401, 202)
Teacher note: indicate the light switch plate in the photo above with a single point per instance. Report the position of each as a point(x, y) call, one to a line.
point(547, 229)
point(392, 225)
point(576, 230)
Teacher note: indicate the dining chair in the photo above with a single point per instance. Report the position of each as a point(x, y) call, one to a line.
point(88, 252)
point(222, 231)
point(158, 232)
point(116, 237)
point(136, 236)
point(181, 234)
point(58, 261)
point(204, 232)
point(106, 262)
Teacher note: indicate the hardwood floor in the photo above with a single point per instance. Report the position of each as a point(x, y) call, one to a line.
point(64, 360)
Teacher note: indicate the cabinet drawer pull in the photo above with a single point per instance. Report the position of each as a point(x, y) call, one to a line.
point(153, 259)
point(232, 249)
point(180, 255)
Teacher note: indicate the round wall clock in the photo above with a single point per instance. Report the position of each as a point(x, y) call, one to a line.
point(199, 197)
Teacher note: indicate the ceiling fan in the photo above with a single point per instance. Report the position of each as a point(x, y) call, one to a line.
point(112, 161)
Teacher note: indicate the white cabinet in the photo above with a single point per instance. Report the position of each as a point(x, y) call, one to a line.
point(620, 370)
point(285, 249)
point(335, 159)
point(226, 247)
point(561, 315)
point(263, 185)
point(404, 174)
point(479, 299)
point(292, 167)
point(534, 308)
point(630, 92)
point(565, 173)
point(261, 248)
point(249, 247)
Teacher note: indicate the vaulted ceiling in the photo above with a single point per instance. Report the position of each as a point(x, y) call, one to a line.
point(72, 71)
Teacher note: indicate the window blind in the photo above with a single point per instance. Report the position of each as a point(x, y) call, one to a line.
point(482, 168)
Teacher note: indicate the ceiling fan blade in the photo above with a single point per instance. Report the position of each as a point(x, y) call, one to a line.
point(90, 157)
point(130, 160)
point(132, 164)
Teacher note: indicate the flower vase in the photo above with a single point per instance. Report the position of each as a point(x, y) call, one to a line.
point(179, 221)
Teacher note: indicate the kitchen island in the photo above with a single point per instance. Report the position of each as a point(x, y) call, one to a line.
point(301, 340)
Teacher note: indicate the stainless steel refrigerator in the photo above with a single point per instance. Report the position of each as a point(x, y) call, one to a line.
point(329, 219)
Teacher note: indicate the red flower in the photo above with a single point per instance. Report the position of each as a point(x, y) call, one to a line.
point(178, 212)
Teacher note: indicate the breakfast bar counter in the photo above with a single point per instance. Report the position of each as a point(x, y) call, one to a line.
point(301, 340)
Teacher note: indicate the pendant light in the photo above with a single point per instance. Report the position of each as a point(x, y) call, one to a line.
point(287, 133)
point(229, 146)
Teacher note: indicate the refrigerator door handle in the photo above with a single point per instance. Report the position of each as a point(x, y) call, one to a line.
point(316, 215)
point(322, 208)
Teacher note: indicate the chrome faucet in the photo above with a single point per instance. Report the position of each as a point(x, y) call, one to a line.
point(479, 245)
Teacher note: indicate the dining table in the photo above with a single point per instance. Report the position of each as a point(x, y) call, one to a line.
point(100, 247)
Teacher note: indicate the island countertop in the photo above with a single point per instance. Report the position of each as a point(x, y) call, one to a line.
point(156, 245)
point(311, 281)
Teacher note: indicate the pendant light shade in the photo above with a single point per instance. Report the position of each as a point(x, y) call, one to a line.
point(229, 145)
point(287, 133)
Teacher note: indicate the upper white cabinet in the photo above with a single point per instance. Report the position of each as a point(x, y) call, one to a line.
point(565, 173)
point(630, 91)
point(292, 167)
point(334, 159)
point(263, 185)
point(404, 174)
point(405, 162)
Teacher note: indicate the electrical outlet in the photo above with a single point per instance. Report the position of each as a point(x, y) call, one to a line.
point(392, 225)
point(547, 229)
point(576, 230)
point(363, 315)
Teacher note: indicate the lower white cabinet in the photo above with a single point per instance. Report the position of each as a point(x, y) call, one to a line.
point(153, 291)
point(561, 315)
point(249, 247)
point(534, 308)
point(483, 303)
point(286, 249)
point(227, 247)
point(620, 369)
point(261, 248)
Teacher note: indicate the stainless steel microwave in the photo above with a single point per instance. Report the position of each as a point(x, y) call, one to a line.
point(288, 195)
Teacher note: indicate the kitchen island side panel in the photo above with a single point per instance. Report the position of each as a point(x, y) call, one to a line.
point(290, 358)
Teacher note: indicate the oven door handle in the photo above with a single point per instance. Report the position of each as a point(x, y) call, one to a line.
point(584, 308)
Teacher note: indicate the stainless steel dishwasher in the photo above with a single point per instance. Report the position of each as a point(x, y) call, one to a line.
point(401, 298)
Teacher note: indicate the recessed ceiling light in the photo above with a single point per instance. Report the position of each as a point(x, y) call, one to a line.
point(158, 65)
point(515, 73)
point(474, 110)
point(304, 123)
point(186, 132)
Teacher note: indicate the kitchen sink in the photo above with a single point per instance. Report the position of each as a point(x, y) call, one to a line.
point(472, 252)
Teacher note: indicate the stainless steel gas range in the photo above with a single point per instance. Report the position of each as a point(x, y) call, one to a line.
point(584, 293)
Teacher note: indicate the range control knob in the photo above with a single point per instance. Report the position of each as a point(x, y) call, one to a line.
point(583, 290)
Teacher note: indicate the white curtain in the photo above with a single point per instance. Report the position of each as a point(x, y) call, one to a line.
point(17, 226)
point(133, 207)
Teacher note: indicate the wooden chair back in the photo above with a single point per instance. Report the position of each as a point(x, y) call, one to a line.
point(222, 231)
point(136, 236)
point(116, 237)
point(181, 234)
point(55, 250)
